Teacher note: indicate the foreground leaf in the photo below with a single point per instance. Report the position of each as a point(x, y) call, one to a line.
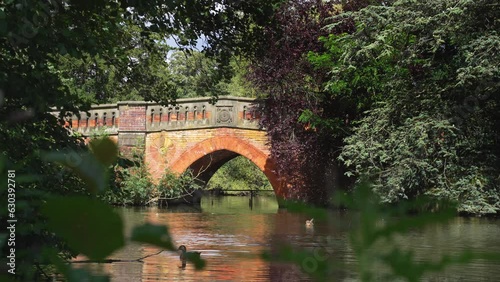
point(105, 150)
point(157, 235)
point(88, 226)
point(85, 165)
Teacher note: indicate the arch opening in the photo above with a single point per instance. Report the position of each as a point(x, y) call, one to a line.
point(205, 167)
point(207, 156)
point(227, 170)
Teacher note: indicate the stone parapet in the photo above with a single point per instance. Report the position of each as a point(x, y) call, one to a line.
point(185, 114)
point(201, 113)
point(100, 118)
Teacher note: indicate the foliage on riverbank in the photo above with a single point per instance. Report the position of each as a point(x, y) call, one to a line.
point(133, 184)
point(305, 124)
point(404, 92)
point(432, 68)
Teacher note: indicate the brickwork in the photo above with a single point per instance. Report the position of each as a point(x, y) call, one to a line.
point(178, 150)
point(132, 117)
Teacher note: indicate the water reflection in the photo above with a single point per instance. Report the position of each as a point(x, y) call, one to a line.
point(231, 235)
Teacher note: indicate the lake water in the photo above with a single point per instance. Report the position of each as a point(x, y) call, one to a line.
point(232, 232)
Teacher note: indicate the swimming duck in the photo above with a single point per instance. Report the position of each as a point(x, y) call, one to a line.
point(310, 223)
point(187, 255)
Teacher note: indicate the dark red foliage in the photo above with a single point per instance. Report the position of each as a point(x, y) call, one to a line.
point(295, 31)
point(281, 71)
point(304, 155)
point(300, 152)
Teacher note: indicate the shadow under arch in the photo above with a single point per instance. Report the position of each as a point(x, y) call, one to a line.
point(206, 157)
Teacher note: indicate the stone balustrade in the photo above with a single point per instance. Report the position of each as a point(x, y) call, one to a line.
point(191, 113)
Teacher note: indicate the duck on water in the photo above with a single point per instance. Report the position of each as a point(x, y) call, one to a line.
point(185, 255)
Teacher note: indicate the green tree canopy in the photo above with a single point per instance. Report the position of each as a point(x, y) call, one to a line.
point(69, 54)
point(429, 75)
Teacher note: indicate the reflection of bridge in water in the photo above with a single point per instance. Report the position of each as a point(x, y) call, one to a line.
point(192, 134)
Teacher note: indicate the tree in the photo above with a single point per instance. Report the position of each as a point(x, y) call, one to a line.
point(305, 123)
point(196, 75)
point(432, 129)
point(53, 53)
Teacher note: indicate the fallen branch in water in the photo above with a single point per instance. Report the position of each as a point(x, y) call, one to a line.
point(116, 260)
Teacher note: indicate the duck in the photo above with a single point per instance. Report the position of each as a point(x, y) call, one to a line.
point(310, 223)
point(185, 255)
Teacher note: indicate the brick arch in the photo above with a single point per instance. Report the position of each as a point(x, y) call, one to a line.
point(235, 145)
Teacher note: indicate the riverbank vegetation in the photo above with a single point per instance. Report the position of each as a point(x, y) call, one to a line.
point(131, 184)
point(403, 92)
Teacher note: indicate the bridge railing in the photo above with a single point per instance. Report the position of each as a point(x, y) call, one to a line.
point(201, 113)
point(99, 118)
point(186, 114)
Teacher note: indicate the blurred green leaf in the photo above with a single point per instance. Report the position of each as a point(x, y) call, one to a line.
point(309, 261)
point(157, 235)
point(85, 165)
point(88, 226)
point(27, 178)
point(105, 150)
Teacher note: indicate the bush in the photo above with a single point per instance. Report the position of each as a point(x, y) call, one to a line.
point(172, 186)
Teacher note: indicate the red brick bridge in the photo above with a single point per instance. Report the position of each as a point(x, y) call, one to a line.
point(192, 134)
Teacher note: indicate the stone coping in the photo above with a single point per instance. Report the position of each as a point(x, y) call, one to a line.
point(187, 100)
point(178, 101)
